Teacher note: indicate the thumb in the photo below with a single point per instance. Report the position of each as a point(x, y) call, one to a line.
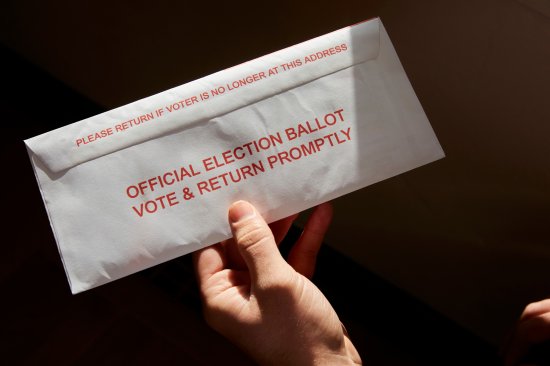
point(256, 244)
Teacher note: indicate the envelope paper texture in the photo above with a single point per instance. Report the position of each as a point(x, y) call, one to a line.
point(152, 180)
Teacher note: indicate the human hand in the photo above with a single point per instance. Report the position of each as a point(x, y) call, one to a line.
point(263, 304)
point(532, 333)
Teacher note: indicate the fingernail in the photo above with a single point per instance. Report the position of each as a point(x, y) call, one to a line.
point(241, 210)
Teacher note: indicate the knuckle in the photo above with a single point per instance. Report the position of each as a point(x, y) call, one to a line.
point(257, 247)
point(252, 234)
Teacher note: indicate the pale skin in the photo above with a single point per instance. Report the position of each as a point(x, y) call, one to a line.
point(266, 305)
point(272, 311)
point(532, 329)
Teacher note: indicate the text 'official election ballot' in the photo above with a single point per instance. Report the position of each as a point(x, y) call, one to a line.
point(152, 180)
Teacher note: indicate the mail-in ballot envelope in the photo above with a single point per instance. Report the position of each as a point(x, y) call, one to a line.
point(152, 180)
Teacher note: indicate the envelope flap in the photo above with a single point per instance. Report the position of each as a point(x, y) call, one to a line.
point(200, 100)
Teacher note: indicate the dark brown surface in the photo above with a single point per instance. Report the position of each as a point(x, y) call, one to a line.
point(154, 317)
point(467, 234)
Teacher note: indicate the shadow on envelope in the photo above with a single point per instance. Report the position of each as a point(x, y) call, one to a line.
point(137, 313)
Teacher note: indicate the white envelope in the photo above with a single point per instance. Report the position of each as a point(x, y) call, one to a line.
point(152, 180)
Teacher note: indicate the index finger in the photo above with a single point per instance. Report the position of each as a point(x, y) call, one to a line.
point(208, 261)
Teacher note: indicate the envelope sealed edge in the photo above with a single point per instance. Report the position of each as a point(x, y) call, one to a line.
point(59, 153)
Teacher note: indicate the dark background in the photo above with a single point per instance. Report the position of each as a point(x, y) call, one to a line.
point(431, 267)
